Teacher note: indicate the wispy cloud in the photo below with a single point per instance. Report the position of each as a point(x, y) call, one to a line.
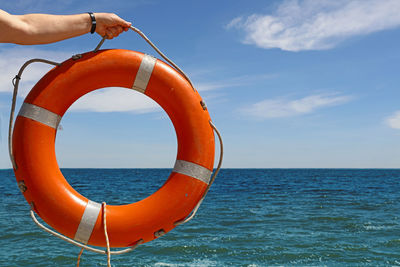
point(11, 61)
point(115, 100)
point(233, 82)
point(315, 25)
point(393, 121)
point(283, 107)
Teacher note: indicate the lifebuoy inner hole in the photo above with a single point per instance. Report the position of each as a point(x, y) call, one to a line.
point(116, 145)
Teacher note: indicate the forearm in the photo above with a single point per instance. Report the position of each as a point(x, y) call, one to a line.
point(43, 28)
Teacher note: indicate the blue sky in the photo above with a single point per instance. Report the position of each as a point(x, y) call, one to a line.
point(288, 83)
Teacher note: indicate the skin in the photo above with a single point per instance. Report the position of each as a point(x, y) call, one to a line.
point(32, 29)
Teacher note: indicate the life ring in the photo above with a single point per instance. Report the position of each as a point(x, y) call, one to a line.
point(70, 213)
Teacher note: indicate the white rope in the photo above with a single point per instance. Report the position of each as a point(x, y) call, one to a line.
point(103, 205)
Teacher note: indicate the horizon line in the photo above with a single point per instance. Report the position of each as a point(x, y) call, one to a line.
point(236, 168)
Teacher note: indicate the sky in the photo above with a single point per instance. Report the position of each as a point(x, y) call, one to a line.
point(289, 84)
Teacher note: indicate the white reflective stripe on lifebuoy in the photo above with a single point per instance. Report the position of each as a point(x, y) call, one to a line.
point(144, 73)
point(88, 221)
point(193, 170)
point(39, 114)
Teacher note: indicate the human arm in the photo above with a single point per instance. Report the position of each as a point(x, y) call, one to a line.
point(43, 28)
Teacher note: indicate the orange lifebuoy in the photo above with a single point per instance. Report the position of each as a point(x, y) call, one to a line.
point(70, 213)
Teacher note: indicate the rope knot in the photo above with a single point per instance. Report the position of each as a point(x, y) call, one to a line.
point(16, 78)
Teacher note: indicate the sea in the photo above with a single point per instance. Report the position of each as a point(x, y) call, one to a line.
point(250, 217)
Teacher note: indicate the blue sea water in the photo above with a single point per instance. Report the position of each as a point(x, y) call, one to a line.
point(251, 217)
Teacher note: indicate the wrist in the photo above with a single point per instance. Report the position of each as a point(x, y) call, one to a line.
point(93, 23)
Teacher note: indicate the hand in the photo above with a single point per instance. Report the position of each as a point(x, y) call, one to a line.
point(110, 25)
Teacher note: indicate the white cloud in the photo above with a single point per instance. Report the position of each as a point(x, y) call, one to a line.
point(281, 107)
point(115, 99)
point(394, 120)
point(315, 25)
